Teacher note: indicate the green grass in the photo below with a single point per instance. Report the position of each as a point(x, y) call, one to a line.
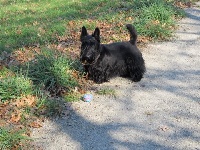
point(52, 73)
point(157, 19)
point(5, 72)
point(11, 138)
point(48, 107)
point(106, 91)
point(51, 68)
point(72, 97)
point(32, 22)
point(14, 87)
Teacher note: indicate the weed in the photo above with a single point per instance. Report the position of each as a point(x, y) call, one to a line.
point(106, 91)
point(11, 138)
point(14, 87)
point(52, 70)
point(156, 20)
point(49, 107)
point(72, 96)
point(4, 72)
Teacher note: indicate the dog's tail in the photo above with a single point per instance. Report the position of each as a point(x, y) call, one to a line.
point(133, 34)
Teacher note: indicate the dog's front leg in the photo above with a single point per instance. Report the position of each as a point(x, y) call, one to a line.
point(98, 76)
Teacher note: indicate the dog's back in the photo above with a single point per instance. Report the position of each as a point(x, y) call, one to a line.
point(124, 48)
point(125, 45)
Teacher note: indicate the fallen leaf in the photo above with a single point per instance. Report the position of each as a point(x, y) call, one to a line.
point(164, 128)
point(143, 39)
point(29, 100)
point(71, 23)
point(183, 4)
point(2, 123)
point(15, 117)
point(35, 125)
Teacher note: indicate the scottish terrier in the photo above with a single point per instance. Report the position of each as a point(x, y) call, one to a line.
point(104, 61)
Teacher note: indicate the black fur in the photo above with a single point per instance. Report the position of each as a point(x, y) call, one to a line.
point(104, 61)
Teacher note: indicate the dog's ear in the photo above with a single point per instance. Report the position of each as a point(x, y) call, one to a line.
point(96, 34)
point(83, 32)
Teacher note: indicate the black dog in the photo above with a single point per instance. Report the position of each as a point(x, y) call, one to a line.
point(104, 61)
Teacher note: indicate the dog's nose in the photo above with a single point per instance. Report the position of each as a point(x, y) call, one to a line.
point(87, 59)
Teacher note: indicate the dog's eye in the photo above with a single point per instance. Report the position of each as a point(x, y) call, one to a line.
point(87, 43)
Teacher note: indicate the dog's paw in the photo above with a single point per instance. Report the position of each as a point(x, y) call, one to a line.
point(98, 79)
point(137, 78)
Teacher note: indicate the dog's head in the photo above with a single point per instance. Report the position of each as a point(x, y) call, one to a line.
point(90, 47)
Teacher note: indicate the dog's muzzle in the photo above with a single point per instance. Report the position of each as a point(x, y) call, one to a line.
point(87, 60)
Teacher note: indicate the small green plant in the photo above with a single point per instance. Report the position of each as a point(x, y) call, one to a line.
point(4, 72)
point(72, 96)
point(156, 20)
point(49, 107)
point(52, 69)
point(11, 138)
point(14, 87)
point(46, 106)
point(106, 91)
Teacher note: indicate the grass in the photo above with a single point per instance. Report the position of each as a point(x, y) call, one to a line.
point(14, 87)
point(52, 77)
point(32, 22)
point(106, 91)
point(11, 138)
point(48, 76)
point(5, 72)
point(156, 20)
point(72, 96)
point(48, 107)
point(51, 68)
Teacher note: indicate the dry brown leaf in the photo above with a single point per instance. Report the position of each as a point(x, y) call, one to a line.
point(183, 4)
point(143, 39)
point(164, 128)
point(35, 124)
point(19, 32)
point(155, 22)
point(71, 23)
point(15, 117)
point(29, 100)
point(82, 91)
point(75, 74)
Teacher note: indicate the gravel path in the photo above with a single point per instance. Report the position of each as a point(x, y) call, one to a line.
point(160, 112)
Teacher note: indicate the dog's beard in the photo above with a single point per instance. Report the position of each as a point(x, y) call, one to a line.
point(93, 61)
point(85, 62)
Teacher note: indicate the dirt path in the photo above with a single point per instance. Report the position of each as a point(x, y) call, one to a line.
point(160, 112)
